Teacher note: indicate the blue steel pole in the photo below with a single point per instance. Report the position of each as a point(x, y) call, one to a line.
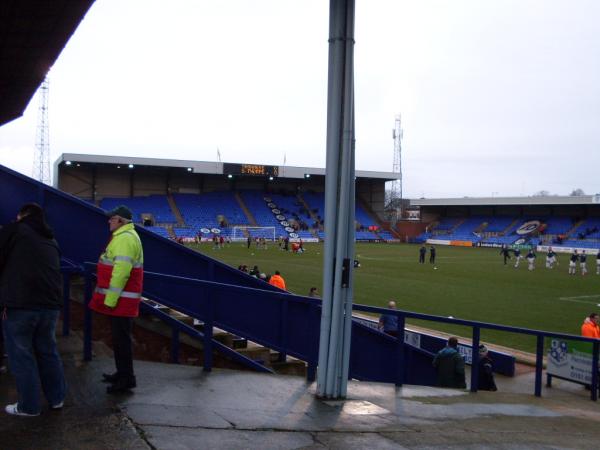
point(475, 360)
point(539, 364)
point(208, 332)
point(594, 394)
point(174, 345)
point(66, 303)
point(400, 350)
point(87, 317)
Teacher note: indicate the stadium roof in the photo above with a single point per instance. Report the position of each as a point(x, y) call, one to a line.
point(506, 201)
point(32, 35)
point(208, 167)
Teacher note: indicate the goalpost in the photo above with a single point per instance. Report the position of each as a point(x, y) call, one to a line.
point(241, 233)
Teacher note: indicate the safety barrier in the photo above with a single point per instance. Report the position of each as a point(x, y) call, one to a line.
point(476, 331)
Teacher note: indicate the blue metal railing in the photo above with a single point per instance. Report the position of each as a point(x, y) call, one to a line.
point(215, 304)
point(476, 330)
point(205, 313)
point(68, 268)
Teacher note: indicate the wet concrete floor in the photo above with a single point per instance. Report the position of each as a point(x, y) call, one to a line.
point(182, 407)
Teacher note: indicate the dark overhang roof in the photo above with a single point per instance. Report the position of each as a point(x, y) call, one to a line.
point(32, 35)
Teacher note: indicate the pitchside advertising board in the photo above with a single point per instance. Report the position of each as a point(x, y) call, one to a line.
point(570, 361)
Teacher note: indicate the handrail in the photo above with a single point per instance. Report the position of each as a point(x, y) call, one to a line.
point(401, 315)
point(206, 337)
point(477, 326)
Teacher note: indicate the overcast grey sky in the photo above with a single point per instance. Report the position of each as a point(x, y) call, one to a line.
point(497, 97)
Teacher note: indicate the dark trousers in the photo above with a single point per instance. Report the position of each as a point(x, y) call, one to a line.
point(422, 258)
point(33, 358)
point(121, 336)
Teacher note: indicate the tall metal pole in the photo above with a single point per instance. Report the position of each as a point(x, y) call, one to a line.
point(334, 345)
point(41, 159)
point(396, 193)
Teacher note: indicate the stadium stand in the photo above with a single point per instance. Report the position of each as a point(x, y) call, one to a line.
point(161, 231)
point(157, 205)
point(203, 211)
point(254, 201)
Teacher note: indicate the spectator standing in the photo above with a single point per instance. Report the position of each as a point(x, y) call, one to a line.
point(573, 262)
point(277, 280)
point(450, 366)
point(590, 327)
point(118, 293)
point(422, 252)
point(486, 381)
point(255, 272)
point(388, 323)
point(30, 296)
point(583, 263)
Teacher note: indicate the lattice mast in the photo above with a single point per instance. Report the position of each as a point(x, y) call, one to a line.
point(396, 191)
point(41, 160)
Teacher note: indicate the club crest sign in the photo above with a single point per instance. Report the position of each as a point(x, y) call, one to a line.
point(528, 227)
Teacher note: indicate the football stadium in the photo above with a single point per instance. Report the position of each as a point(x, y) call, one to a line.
point(166, 303)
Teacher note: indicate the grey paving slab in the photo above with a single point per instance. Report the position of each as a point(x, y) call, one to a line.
point(184, 439)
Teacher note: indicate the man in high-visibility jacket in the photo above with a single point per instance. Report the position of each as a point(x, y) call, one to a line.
point(118, 293)
point(590, 326)
point(277, 280)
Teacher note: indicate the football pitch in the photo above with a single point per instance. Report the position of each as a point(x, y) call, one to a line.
point(469, 283)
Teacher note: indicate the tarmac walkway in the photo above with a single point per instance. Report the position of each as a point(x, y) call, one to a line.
point(181, 407)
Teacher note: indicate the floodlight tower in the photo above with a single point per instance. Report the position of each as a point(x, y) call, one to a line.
point(41, 159)
point(396, 192)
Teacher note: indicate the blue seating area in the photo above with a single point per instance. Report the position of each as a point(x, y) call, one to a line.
point(558, 225)
point(254, 201)
point(497, 224)
point(447, 223)
point(161, 231)
point(201, 210)
point(157, 205)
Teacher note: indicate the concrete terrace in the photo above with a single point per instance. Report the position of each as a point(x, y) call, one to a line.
point(181, 407)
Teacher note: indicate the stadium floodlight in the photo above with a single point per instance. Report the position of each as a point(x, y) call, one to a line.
point(189, 169)
point(230, 176)
point(307, 175)
point(270, 177)
point(68, 163)
point(130, 166)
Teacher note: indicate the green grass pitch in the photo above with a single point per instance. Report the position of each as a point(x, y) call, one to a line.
point(470, 283)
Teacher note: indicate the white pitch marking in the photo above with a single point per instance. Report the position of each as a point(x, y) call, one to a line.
point(580, 296)
point(588, 302)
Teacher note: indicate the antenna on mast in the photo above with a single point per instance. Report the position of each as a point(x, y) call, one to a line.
point(41, 159)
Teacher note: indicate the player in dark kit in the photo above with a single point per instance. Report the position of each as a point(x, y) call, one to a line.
point(505, 252)
point(422, 252)
point(583, 262)
point(518, 257)
point(432, 255)
point(531, 259)
point(573, 262)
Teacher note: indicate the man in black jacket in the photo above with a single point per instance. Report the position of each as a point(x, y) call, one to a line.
point(30, 297)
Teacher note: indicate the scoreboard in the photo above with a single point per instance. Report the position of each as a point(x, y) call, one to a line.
point(250, 169)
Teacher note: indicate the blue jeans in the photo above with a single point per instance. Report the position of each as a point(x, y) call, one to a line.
point(29, 337)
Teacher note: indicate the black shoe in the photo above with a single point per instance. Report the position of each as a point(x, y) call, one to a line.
point(121, 385)
point(110, 377)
